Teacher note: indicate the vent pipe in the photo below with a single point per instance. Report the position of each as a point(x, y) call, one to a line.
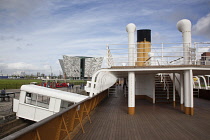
point(131, 28)
point(184, 26)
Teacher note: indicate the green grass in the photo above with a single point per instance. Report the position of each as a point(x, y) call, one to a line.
point(17, 83)
point(76, 82)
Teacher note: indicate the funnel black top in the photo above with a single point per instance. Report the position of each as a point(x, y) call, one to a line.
point(144, 34)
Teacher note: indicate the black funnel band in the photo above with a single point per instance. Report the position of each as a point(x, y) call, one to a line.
point(144, 34)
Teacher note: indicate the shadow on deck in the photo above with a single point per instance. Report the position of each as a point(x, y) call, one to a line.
point(111, 121)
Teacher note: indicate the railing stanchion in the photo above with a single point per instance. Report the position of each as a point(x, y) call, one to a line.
point(161, 53)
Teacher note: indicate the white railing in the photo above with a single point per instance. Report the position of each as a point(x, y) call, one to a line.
point(159, 54)
point(201, 82)
point(101, 80)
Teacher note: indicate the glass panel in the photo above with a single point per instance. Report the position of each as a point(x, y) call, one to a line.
point(37, 100)
point(43, 101)
point(30, 98)
point(65, 104)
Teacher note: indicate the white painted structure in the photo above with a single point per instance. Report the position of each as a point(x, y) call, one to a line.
point(36, 102)
point(101, 81)
point(184, 26)
point(131, 28)
point(145, 85)
point(201, 82)
point(179, 59)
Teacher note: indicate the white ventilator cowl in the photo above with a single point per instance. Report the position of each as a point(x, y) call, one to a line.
point(184, 25)
point(131, 27)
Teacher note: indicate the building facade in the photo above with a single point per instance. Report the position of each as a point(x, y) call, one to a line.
point(80, 66)
point(205, 58)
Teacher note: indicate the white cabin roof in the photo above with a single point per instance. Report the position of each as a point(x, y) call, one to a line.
point(67, 96)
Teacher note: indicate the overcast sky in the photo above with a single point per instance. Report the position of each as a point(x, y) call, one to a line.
point(34, 34)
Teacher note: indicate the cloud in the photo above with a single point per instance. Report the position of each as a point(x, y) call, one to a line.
point(76, 2)
point(36, 33)
point(9, 68)
point(202, 27)
point(22, 65)
point(156, 37)
point(5, 38)
point(15, 10)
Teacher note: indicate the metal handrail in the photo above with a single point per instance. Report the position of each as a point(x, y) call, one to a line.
point(177, 79)
point(165, 53)
point(165, 86)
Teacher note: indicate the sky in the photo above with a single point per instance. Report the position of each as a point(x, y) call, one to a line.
point(34, 34)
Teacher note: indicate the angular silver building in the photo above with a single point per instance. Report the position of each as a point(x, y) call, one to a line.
point(80, 66)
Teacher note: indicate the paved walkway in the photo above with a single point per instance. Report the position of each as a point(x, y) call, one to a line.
point(151, 122)
point(6, 106)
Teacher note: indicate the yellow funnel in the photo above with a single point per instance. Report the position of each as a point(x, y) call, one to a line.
point(143, 46)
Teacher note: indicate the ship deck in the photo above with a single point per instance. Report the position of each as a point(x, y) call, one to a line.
point(159, 121)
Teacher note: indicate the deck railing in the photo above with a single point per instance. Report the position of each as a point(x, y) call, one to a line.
point(159, 54)
point(62, 125)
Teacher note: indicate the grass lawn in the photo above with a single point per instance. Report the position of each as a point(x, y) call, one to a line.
point(17, 83)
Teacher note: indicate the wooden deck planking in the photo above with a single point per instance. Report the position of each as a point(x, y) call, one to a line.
point(111, 122)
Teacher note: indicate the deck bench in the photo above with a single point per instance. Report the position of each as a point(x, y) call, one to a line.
point(4, 97)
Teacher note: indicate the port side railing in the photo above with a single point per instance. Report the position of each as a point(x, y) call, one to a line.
point(62, 125)
point(200, 82)
point(154, 54)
